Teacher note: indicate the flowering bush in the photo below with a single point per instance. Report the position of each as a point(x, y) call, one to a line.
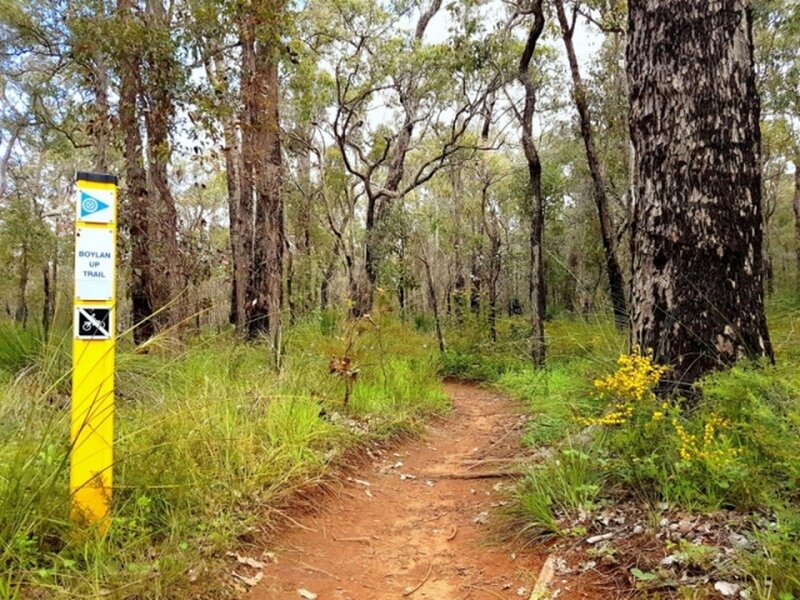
point(630, 387)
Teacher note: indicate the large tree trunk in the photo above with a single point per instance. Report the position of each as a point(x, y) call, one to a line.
point(167, 273)
point(697, 228)
point(616, 282)
point(537, 289)
point(263, 176)
point(136, 205)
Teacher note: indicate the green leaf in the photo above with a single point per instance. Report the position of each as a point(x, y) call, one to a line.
point(642, 575)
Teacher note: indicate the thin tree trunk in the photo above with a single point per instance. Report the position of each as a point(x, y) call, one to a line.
point(796, 206)
point(437, 322)
point(697, 226)
point(101, 128)
point(537, 289)
point(459, 300)
point(616, 282)
point(379, 205)
point(47, 293)
point(21, 315)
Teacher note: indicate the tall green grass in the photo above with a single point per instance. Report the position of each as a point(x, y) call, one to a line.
point(210, 445)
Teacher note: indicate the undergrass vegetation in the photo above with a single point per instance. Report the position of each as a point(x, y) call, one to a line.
point(604, 438)
point(210, 446)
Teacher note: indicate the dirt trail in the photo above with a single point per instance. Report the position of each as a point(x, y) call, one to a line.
point(387, 533)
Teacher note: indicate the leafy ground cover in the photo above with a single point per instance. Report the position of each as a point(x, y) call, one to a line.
point(676, 497)
point(210, 445)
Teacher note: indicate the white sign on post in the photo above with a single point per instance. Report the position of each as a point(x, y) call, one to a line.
point(96, 206)
point(94, 264)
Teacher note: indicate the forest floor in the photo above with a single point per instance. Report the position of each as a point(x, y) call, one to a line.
point(418, 521)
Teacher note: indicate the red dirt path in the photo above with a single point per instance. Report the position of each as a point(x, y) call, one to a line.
point(387, 533)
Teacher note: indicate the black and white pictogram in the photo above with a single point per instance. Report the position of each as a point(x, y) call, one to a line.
point(92, 323)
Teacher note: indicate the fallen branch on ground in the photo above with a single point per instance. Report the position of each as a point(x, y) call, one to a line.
point(421, 583)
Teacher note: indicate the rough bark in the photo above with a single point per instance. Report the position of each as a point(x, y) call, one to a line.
point(616, 282)
point(136, 202)
point(697, 229)
point(167, 278)
point(231, 151)
point(537, 289)
point(263, 171)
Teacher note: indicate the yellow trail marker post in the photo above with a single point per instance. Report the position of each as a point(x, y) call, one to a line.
point(92, 415)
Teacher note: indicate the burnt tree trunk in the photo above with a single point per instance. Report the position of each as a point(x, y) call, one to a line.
point(616, 282)
point(21, 314)
point(537, 289)
point(697, 229)
point(231, 150)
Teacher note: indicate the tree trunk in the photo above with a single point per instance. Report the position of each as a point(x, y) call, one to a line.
point(101, 125)
point(167, 279)
point(616, 282)
point(458, 296)
point(537, 289)
point(21, 314)
point(697, 227)
point(796, 206)
point(136, 202)
point(437, 322)
point(263, 171)
point(379, 204)
point(47, 293)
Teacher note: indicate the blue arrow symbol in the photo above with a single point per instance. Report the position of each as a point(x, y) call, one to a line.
point(90, 204)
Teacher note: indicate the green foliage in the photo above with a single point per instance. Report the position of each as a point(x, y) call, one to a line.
point(564, 484)
point(555, 397)
point(773, 567)
point(733, 446)
point(208, 442)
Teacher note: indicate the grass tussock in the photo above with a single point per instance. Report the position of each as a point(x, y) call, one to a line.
point(209, 441)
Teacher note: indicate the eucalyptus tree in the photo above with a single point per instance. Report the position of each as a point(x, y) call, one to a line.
point(42, 137)
point(777, 31)
point(537, 284)
point(616, 281)
point(382, 60)
point(697, 226)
